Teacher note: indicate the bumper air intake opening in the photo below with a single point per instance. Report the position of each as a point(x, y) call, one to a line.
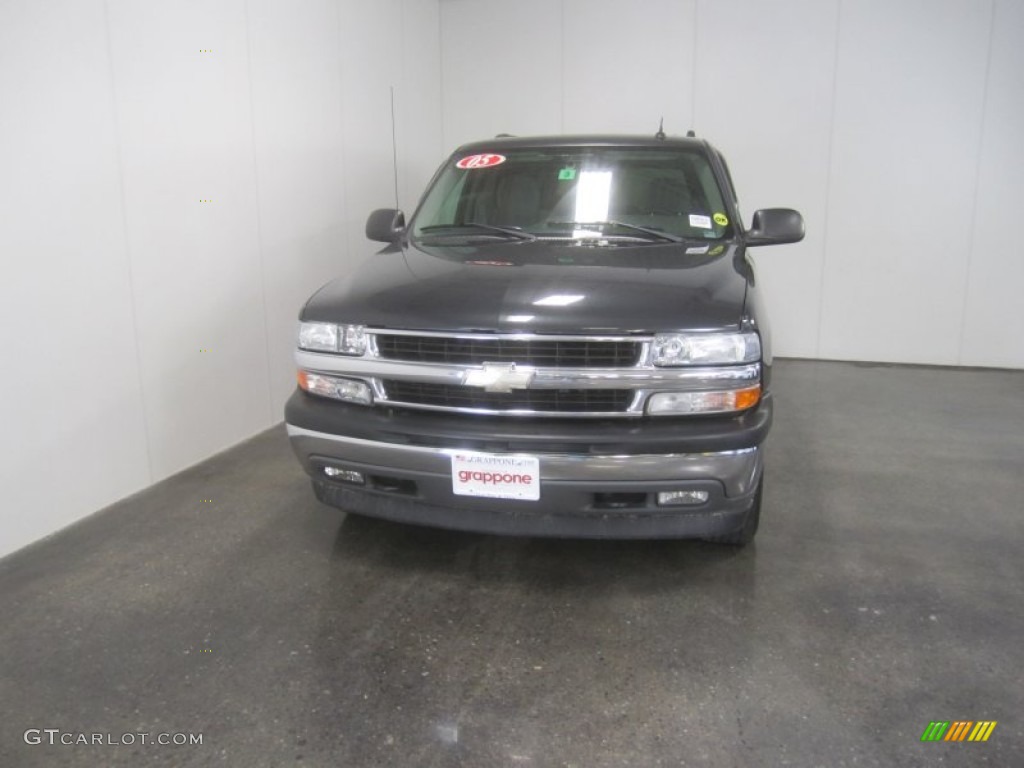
point(620, 500)
point(395, 485)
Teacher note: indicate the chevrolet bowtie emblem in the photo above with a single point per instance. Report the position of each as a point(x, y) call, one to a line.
point(499, 377)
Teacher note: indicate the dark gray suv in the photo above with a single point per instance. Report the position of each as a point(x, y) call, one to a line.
point(565, 339)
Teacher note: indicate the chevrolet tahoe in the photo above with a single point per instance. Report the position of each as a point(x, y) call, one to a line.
point(565, 339)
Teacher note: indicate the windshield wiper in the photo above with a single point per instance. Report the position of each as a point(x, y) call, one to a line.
point(653, 234)
point(510, 231)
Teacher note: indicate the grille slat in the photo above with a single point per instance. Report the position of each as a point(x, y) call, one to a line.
point(545, 400)
point(536, 352)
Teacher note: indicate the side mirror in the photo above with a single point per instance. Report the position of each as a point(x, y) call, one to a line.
point(774, 226)
point(385, 225)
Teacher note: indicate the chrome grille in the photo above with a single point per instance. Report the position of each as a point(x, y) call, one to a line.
point(554, 353)
point(538, 400)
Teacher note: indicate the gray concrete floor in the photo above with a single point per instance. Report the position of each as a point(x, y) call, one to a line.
point(884, 591)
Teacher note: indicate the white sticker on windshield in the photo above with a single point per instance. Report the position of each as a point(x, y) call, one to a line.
point(697, 250)
point(700, 221)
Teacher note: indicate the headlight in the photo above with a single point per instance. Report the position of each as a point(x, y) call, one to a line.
point(351, 339)
point(318, 337)
point(349, 390)
point(705, 348)
point(328, 337)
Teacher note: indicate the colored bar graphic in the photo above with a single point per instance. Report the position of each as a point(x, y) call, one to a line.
point(958, 730)
point(935, 731)
point(982, 730)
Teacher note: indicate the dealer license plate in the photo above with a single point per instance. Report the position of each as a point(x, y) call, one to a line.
point(495, 476)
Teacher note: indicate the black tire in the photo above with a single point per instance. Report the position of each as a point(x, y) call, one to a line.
point(746, 532)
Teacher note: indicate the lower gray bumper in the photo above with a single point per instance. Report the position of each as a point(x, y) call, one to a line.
point(582, 495)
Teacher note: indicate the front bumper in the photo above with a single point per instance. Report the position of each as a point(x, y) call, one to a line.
point(598, 480)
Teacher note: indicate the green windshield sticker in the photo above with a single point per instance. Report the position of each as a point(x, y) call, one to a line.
point(721, 219)
point(567, 174)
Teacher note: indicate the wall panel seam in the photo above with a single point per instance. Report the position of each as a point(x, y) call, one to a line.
point(259, 217)
point(133, 298)
point(693, 67)
point(402, 83)
point(972, 227)
point(561, 66)
point(342, 108)
point(828, 180)
point(440, 76)
point(442, 149)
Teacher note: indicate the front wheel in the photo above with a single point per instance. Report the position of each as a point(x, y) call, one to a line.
point(746, 532)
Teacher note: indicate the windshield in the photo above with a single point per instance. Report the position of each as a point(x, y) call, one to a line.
point(602, 194)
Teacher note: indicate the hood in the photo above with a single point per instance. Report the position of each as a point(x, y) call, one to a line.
point(540, 287)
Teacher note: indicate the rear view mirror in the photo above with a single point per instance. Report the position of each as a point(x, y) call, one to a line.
point(774, 226)
point(385, 225)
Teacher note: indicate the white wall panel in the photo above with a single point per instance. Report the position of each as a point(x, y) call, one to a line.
point(322, 75)
point(993, 325)
point(371, 65)
point(186, 135)
point(866, 115)
point(769, 109)
point(501, 68)
point(295, 66)
point(627, 63)
point(418, 100)
point(174, 185)
point(388, 45)
point(909, 90)
point(73, 436)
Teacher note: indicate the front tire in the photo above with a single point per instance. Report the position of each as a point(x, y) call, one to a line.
point(746, 532)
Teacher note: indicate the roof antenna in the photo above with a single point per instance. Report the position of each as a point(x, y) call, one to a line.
point(690, 134)
point(660, 135)
point(394, 144)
